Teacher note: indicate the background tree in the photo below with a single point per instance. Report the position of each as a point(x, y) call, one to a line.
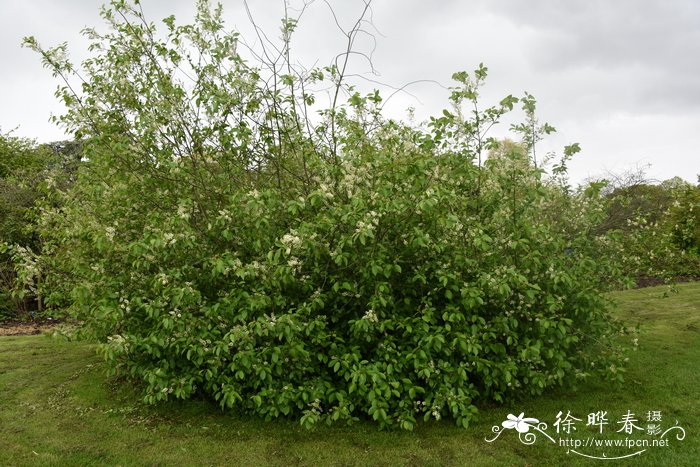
point(31, 175)
point(653, 225)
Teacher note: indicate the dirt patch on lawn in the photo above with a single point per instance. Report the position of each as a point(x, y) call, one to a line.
point(26, 328)
point(646, 281)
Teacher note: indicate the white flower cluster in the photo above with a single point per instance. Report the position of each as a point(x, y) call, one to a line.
point(353, 175)
point(109, 233)
point(225, 215)
point(124, 304)
point(117, 339)
point(371, 316)
point(118, 342)
point(183, 212)
point(176, 313)
point(255, 194)
point(294, 263)
point(163, 278)
point(419, 405)
point(169, 238)
point(368, 223)
point(28, 264)
point(291, 241)
point(434, 410)
point(325, 191)
point(316, 407)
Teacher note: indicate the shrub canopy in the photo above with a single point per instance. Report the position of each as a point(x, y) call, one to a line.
point(225, 239)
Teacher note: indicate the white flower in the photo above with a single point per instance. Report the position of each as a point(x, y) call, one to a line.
point(325, 191)
point(291, 241)
point(522, 425)
point(368, 223)
point(109, 232)
point(255, 194)
point(225, 215)
point(371, 316)
point(361, 226)
point(163, 278)
point(183, 212)
point(294, 263)
point(116, 338)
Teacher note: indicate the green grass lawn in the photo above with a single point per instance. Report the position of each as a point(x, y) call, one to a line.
point(58, 408)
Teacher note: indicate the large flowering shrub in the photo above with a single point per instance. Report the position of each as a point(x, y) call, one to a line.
point(221, 243)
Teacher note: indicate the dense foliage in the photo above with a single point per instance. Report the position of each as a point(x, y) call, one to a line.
point(29, 176)
point(223, 239)
point(656, 228)
point(16, 156)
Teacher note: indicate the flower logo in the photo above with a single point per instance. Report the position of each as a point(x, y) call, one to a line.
point(521, 424)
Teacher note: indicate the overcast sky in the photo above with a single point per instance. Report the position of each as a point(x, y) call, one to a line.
point(620, 77)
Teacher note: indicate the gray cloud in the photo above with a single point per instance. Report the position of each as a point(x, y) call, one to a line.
point(649, 49)
point(619, 76)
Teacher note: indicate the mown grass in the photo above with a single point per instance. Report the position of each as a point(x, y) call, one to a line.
point(57, 408)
